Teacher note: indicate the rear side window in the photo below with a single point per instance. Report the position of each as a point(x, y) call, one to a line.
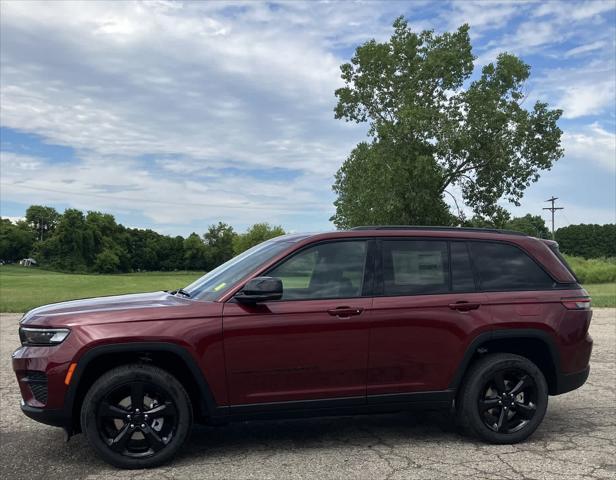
point(506, 267)
point(415, 267)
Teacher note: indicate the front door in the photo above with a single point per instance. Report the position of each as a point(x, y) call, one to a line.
point(313, 343)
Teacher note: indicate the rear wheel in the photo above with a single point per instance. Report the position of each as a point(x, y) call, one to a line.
point(503, 399)
point(136, 416)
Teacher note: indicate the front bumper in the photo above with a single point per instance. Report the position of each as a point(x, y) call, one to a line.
point(40, 373)
point(53, 417)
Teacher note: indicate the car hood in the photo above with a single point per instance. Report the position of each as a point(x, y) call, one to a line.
point(118, 308)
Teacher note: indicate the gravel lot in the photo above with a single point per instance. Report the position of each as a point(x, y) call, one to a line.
point(576, 440)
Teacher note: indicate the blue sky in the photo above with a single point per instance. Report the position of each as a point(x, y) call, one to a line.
point(175, 115)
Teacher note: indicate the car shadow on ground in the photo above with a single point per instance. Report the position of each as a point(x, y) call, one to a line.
point(361, 431)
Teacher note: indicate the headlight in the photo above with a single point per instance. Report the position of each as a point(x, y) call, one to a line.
point(42, 336)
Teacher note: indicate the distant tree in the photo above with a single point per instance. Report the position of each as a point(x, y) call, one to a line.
point(433, 128)
point(172, 253)
point(256, 234)
point(16, 240)
point(194, 252)
point(219, 244)
point(42, 219)
point(103, 234)
point(106, 262)
point(69, 246)
point(530, 224)
point(588, 241)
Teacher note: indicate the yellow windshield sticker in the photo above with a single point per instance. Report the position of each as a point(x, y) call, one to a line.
point(218, 287)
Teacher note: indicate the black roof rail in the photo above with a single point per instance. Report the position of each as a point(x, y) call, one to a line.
point(440, 229)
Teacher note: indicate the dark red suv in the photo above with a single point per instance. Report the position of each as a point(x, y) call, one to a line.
point(373, 319)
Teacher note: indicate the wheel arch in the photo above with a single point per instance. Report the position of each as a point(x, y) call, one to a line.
point(171, 357)
point(536, 345)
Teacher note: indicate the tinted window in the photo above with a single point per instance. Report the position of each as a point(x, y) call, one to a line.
point(412, 267)
point(505, 267)
point(461, 271)
point(327, 270)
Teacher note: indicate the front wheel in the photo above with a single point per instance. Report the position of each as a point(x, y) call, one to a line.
point(136, 416)
point(503, 399)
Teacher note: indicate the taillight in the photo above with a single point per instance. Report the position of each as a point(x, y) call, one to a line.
point(576, 303)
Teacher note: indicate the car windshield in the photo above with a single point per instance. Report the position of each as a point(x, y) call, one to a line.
point(213, 284)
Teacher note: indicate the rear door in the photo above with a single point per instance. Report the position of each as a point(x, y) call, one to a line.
point(425, 309)
point(313, 343)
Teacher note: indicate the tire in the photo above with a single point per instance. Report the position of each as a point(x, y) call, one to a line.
point(130, 437)
point(503, 399)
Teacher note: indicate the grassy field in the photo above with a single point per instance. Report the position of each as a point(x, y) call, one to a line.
point(603, 294)
point(593, 270)
point(24, 288)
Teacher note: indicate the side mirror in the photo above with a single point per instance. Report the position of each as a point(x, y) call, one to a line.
point(260, 289)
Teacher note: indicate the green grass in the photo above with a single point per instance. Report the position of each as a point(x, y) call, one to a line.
point(603, 294)
point(24, 288)
point(593, 270)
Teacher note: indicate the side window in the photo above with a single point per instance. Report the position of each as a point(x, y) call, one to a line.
point(505, 267)
point(462, 279)
point(415, 267)
point(327, 270)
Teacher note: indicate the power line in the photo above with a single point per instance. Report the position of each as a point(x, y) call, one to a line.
point(553, 209)
point(162, 202)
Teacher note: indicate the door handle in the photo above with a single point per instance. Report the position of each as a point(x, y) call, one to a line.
point(463, 306)
point(345, 312)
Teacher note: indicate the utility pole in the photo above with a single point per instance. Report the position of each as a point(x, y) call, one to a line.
point(553, 209)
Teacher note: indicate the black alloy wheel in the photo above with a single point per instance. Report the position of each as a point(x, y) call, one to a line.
point(509, 401)
point(137, 419)
point(503, 398)
point(136, 416)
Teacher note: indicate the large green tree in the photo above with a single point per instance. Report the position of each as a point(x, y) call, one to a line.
point(434, 131)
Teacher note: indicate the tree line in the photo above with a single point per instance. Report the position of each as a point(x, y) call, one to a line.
point(94, 242)
point(588, 240)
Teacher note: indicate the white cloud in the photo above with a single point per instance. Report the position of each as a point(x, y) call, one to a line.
point(592, 144)
point(123, 185)
point(481, 15)
point(10, 163)
point(588, 89)
point(584, 99)
point(575, 11)
point(586, 48)
point(546, 27)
